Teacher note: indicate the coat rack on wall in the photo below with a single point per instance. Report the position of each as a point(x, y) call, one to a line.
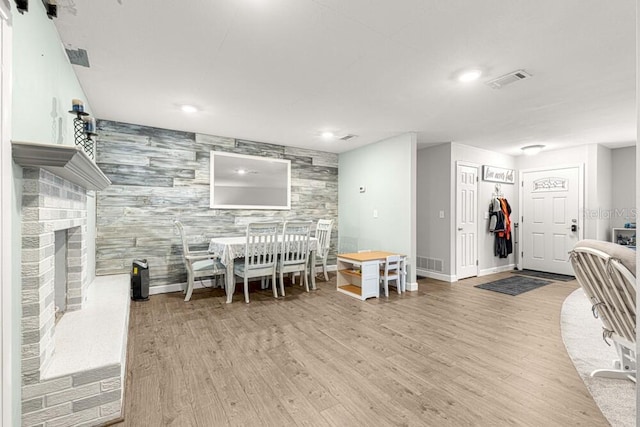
point(497, 191)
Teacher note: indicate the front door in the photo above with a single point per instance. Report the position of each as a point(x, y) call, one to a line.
point(466, 221)
point(551, 223)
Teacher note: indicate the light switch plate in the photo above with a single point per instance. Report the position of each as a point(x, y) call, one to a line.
point(441, 215)
point(375, 213)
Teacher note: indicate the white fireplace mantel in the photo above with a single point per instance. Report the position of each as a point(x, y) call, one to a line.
point(67, 162)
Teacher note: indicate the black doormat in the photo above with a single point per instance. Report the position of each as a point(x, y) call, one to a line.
point(514, 285)
point(544, 275)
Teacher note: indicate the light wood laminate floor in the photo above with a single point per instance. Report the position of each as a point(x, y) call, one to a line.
point(447, 355)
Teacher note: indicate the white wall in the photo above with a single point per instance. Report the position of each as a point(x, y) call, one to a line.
point(623, 191)
point(487, 262)
point(43, 85)
point(596, 160)
point(387, 170)
point(603, 194)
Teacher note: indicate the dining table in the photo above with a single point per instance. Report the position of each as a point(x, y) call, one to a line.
point(230, 248)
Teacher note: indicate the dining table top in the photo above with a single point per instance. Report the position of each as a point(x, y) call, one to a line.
point(231, 247)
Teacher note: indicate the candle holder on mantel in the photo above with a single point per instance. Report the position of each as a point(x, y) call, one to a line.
point(82, 137)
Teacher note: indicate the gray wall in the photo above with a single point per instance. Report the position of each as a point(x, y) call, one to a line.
point(387, 170)
point(624, 180)
point(434, 195)
point(159, 175)
point(487, 261)
point(436, 192)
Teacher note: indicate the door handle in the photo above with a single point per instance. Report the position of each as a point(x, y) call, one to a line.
point(574, 228)
point(459, 228)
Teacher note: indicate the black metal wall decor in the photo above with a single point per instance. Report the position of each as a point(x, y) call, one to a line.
point(84, 128)
point(50, 6)
point(22, 6)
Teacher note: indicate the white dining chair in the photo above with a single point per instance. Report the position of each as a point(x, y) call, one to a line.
point(323, 234)
point(391, 272)
point(199, 264)
point(261, 254)
point(294, 251)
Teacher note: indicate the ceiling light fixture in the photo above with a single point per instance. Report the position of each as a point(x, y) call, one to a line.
point(327, 134)
point(531, 150)
point(189, 109)
point(469, 75)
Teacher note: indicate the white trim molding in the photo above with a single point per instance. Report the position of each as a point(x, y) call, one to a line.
point(494, 270)
point(200, 284)
point(450, 278)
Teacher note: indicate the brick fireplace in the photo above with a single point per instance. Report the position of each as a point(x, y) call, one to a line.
point(58, 387)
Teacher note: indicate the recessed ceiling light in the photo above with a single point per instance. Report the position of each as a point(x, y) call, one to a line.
point(189, 109)
point(530, 150)
point(327, 134)
point(469, 75)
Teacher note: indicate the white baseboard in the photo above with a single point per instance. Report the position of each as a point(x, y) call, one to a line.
point(177, 287)
point(494, 270)
point(412, 287)
point(437, 276)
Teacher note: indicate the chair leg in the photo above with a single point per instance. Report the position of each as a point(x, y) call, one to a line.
point(306, 279)
point(293, 278)
point(386, 287)
point(281, 285)
point(324, 270)
point(398, 285)
point(246, 289)
point(189, 287)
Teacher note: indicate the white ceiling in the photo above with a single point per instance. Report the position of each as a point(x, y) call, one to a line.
point(281, 71)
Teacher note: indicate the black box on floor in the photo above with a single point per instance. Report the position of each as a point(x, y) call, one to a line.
point(140, 280)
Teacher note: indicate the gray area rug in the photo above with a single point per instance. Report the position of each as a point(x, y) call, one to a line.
point(514, 285)
point(544, 275)
point(582, 335)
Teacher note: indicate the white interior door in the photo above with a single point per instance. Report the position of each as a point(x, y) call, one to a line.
point(466, 221)
point(551, 222)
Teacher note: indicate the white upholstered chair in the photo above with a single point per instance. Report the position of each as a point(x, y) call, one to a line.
point(323, 234)
point(199, 264)
point(261, 255)
point(391, 272)
point(294, 251)
point(607, 274)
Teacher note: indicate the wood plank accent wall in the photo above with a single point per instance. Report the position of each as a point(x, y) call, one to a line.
point(159, 175)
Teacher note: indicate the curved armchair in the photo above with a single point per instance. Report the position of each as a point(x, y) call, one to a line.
point(323, 234)
point(607, 273)
point(198, 263)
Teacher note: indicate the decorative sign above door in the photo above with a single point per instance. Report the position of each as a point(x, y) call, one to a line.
point(550, 184)
point(496, 174)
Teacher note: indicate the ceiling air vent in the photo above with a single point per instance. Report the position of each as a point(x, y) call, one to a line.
point(78, 57)
point(507, 79)
point(347, 137)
